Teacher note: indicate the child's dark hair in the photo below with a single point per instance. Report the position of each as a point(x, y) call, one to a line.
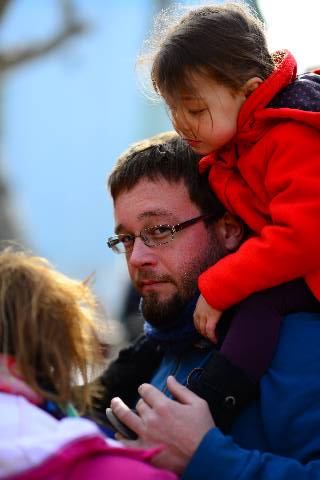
point(223, 42)
point(164, 156)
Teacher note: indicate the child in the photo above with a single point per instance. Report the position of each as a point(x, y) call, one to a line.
point(48, 335)
point(257, 125)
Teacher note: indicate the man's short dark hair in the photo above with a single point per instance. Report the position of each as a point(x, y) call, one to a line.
point(164, 156)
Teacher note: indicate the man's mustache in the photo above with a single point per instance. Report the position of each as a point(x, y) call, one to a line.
point(142, 277)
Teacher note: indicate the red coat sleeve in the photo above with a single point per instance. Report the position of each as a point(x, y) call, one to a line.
point(289, 247)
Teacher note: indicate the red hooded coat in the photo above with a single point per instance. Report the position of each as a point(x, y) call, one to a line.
point(269, 175)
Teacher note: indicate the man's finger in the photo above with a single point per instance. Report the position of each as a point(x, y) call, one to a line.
point(181, 393)
point(151, 395)
point(130, 443)
point(127, 416)
point(142, 407)
point(156, 447)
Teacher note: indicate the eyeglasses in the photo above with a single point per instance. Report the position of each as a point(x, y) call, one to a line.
point(152, 236)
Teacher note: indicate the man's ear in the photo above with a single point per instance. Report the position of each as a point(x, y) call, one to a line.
point(231, 232)
point(251, 85)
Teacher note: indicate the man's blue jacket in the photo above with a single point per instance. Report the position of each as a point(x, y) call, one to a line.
point(278, 436)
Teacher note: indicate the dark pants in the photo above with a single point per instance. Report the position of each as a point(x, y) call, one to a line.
point(253, 334)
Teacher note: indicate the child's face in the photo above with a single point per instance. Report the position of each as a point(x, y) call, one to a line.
point(207, 118)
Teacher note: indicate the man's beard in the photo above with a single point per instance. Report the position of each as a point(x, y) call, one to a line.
point(165, 314)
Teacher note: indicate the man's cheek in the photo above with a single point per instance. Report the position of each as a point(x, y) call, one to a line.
point(131, 271)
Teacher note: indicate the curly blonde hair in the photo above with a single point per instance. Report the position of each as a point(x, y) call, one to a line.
point(48, 323)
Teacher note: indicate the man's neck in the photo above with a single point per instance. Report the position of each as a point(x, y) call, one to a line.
point(182, 330)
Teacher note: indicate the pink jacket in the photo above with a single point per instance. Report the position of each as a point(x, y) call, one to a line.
point(93, 459)
point(36, 446)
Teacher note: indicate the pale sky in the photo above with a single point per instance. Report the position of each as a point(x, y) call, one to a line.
point(294, 25)
point(70, 115)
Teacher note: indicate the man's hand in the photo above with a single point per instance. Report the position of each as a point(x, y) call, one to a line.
point(205, 319)
point(178, 424)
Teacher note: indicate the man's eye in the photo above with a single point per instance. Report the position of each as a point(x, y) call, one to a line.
point(160, 231)
point(126, 239)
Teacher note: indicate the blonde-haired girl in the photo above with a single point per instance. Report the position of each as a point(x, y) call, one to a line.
point(48, 338)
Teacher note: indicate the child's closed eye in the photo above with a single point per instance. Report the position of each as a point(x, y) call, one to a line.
point(196, 112)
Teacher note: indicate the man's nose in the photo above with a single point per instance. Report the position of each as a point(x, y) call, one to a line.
point(141, 254)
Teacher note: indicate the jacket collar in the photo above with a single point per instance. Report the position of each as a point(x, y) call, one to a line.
point(182, 333)
point(249, 128)
point(284, 73)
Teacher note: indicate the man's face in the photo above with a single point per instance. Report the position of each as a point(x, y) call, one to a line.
point(165, 275)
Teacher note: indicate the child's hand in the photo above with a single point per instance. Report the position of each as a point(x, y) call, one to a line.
point(205, 319)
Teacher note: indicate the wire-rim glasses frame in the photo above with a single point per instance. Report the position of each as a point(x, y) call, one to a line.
point(152, 236)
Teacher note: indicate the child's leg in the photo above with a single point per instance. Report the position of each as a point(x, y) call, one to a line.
point(253, 334)
point(229, 380)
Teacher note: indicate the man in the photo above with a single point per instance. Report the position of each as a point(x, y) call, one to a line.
point(171, 228)
point(155, 191)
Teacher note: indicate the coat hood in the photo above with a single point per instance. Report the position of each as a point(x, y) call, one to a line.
point(30, 435)
point(282, 96)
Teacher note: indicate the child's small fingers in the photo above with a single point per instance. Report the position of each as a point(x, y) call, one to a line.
point(212, 337)
point(203, 327)
point(210, 333)
point(198, 329)
point(196, 322)
point(199, 323)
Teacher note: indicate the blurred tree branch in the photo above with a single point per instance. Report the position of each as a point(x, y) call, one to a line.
point(10, 59)
point(3, 6)
point(71, 25)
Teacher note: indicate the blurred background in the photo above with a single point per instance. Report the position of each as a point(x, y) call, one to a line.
point(70, 103)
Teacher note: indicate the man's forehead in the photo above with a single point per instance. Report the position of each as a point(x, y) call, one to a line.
point(155, 216)
point(154, 200)
point(159, 194)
